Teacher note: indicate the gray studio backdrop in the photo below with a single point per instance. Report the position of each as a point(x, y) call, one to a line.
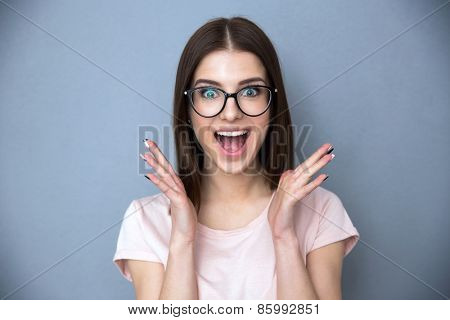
point(78, 78)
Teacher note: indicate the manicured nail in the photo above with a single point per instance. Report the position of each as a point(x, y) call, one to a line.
point(143, 158)
point(147, 177)
point(146, 143)
point(325, 178)
point(330, 150)
point(332, 156)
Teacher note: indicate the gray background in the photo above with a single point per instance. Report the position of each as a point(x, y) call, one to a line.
point(71, 107)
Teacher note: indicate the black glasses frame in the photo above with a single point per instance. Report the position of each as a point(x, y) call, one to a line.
point(227, 95)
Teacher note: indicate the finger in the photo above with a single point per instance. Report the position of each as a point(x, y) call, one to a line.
point(324, 149)
point(164, 175)
point(308, 188)
point(162, 160)
point(317, 166)
point(176, 177)
point(166, 189)
point(157, 153)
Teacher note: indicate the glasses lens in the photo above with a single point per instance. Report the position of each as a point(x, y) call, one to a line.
point(254, 100)
point(207, 101)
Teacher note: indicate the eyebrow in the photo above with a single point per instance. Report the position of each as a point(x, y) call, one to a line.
point(215, 83)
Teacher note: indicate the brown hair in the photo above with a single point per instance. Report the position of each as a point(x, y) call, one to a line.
point(237, 33)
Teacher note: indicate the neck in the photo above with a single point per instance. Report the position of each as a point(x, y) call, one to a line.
point(222, 186)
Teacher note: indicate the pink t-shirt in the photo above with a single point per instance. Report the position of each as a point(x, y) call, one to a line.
point(232, 264)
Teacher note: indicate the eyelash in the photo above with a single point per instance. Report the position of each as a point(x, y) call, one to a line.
point(212, 87)
point(248, 87)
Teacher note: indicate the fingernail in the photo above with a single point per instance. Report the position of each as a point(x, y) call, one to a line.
point(147, 177)
point(330, 150)
point(143, 158)
point(146, 143)
point(332, 156)
point(325, 178)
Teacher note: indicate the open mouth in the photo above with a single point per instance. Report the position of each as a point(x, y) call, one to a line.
point(232, 142)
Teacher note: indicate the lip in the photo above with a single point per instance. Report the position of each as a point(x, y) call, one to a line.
point(238, 152)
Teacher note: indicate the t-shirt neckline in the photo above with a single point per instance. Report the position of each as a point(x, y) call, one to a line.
point(205, 230)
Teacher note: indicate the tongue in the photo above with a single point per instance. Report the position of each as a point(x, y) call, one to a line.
point(232, 144)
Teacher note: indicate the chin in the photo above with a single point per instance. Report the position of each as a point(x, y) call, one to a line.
point(234, 167)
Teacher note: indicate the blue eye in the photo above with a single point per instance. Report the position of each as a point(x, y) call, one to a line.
point(209, 93)
point(250, 92)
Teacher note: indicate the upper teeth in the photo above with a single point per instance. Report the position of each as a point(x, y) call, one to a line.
point(232, 133)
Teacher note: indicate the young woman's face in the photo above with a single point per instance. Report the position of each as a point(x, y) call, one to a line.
point(230, 154)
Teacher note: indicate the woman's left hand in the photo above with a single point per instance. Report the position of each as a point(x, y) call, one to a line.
point(292, 187)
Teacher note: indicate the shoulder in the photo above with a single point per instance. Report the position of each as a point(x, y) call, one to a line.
point(145, 232)
point(321, 218)
point(152, 210)
point(152, 203)
point(317, 202)
point(310, 210)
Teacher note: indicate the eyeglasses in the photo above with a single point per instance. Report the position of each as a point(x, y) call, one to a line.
point(209, 101)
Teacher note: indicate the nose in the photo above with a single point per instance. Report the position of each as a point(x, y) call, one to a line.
point(231, 110)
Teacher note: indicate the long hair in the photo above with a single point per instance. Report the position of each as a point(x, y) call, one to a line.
point(236, 33)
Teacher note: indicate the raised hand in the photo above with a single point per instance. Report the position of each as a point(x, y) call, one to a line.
point(183, 213)
point(292, 187)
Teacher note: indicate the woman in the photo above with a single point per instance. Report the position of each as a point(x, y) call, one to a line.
point(237, 220)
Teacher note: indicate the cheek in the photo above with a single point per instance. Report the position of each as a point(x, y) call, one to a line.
point(201, 129)
point(262, 128)
point(260, 138)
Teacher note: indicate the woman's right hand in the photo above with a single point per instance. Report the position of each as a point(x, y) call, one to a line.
point(183, 213)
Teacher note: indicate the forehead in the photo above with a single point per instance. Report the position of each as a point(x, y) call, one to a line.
point(229, 67)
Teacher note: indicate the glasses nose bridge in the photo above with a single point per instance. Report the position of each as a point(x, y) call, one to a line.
point(231, 95)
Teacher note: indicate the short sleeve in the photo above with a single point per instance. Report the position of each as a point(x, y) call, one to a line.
point(335, 225)
point(132, 242)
